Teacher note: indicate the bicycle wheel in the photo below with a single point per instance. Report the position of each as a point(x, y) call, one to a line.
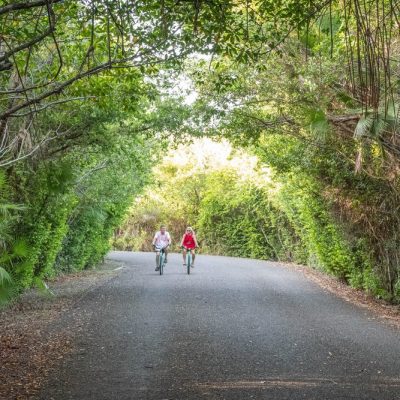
point(188, 261)
point(161, 261)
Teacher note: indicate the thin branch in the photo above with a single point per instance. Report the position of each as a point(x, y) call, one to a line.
point(45, 106)
point(98, 167)
point(37, 39)
point(56, 90)
point(25, 6)
point(36, 148)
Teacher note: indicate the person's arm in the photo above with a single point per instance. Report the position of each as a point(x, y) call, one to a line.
point(169, 240)
point(154, 240)
point(183, 237)
point(195, 240)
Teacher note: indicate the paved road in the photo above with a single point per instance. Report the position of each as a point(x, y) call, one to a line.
point(234, 329)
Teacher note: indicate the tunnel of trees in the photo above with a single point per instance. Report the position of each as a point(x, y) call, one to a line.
point(284, 114)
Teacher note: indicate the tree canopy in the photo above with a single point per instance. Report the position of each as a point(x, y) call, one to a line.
point(88, 106)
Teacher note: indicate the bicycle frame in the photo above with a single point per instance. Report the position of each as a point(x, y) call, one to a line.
point(189, 259)
point(161, 261)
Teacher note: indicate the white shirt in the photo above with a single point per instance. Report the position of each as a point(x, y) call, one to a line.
point(162, 240)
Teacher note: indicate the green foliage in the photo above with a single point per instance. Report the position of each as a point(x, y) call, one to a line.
point(102, 209)
point(77, 189)
point(48, 200)
point(335, 174)
point(7, 287)
point(12, 251)
point(238, 217)
point(296, 83)
point(300, 199)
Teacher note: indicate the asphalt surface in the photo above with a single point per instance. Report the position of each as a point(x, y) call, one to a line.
point(233, 329)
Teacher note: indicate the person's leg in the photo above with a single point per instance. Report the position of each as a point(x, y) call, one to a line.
point(166, 254)
point(184, 256)
point(157, 259)
point(193, 257)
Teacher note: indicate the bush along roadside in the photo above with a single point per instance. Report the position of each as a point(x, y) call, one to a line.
point(71, 206)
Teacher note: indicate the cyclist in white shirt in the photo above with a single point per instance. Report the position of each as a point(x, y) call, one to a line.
point(161, 240)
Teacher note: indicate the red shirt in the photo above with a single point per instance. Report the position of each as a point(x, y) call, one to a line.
point(188, 241)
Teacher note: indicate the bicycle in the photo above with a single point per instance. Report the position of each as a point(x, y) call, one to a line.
point(189, 259)
point(161, 261)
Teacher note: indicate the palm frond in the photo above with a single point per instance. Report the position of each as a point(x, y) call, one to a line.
point(319, 124)
point(364, 126)
point(393, 110)
point(20, 248)
point(5, 229)
point(6, 207)
point(96, 214)
point(5, 277)
point(7, 288)
point(379, 126)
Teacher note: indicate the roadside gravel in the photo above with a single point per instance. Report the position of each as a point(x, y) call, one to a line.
point(39, 329)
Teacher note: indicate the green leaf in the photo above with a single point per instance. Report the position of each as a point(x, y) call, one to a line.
point(364, 125)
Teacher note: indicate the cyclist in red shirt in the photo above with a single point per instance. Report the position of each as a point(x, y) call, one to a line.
point(189, 242)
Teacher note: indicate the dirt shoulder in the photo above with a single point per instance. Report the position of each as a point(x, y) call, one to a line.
point(37, 331)
point(388, 313)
